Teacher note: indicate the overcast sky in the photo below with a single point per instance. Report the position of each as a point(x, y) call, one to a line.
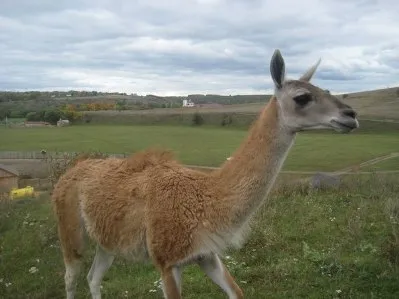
point(177, 47)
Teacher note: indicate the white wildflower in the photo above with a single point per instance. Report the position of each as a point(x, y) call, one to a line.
point(152, 291)
point(33, 270)
point(243, 281)
point(158, 283)
point(338, 291)
point(8, 284)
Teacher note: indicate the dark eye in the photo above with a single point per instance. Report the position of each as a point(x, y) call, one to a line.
point(303, 99)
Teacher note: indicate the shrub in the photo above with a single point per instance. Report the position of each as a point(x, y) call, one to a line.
point(16, 114)
point(52, 116)
point(227, 120)
point(32, 116)
point(198, 120)
point(72, 115)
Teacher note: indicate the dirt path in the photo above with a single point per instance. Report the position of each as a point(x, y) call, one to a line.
point(346, 170)
point(367, 163)
point(381, 120)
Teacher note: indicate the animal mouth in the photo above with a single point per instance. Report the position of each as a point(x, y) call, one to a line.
point(344, 127)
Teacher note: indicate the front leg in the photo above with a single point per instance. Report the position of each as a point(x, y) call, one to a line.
point(214, 268)
point(171, 282)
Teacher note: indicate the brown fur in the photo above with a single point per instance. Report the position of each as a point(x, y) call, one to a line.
point(148, 206)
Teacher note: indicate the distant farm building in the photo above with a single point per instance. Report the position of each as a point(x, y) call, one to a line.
point(8, 178)
point(63, 123)
point(36, 124)
point(188, 103)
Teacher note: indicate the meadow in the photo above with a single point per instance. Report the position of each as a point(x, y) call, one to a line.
point(204, 145)
point(337, 243)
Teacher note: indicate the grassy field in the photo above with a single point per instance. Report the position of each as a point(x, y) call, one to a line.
point(304, 244)
point(201, 145)
point(340, 243)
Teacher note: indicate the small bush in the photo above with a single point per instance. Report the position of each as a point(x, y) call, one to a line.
point(71, 115)
point(52, 116)
point(16, 114)
point(32, 116)
point(227, 120)
point(198, 120)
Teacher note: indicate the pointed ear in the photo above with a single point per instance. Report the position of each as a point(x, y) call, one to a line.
point(277, 68)
point(310, 72)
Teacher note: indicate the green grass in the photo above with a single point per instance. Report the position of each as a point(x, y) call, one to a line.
point(304, 244)
point(201, 145)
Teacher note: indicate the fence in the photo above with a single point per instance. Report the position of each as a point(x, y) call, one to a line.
point(36, 155)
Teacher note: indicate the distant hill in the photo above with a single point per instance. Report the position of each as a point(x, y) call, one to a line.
point(382, 104)
point(375, 104)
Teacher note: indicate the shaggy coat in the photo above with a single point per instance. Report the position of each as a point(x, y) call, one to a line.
point(150, 207)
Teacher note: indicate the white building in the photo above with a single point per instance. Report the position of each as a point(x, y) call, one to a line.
point(188, 103)
point(62, 123)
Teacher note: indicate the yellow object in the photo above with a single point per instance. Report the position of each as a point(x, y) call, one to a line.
point(22, 192)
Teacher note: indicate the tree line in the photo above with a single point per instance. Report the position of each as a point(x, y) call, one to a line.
point(47, 106)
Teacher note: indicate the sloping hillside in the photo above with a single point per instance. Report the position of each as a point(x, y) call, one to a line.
point(376, 104)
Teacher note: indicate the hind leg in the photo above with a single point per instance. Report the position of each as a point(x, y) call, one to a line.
point(72, 270)
point(101, 263)
point(214, 268)
point(71, 232)
point(72, 250)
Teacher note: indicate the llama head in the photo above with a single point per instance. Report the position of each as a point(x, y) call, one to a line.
point(305, 106)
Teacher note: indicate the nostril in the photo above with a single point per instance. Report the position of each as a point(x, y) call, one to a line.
point(349, 113)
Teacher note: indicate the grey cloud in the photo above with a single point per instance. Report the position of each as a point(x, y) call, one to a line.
point(229, 42)
point(334, 75)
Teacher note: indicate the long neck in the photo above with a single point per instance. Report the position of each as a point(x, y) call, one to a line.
point(251, 172)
